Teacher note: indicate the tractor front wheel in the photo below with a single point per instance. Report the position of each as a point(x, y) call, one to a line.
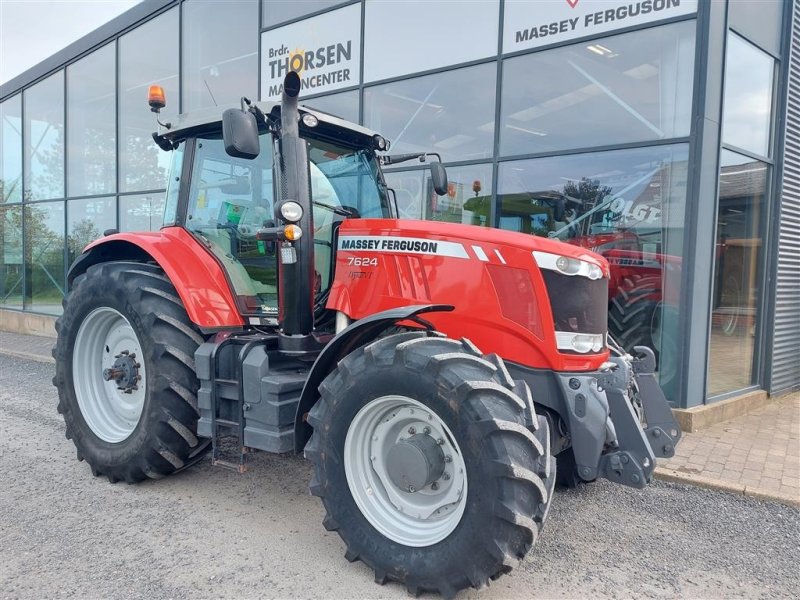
point(431, 462)
point(125, 373)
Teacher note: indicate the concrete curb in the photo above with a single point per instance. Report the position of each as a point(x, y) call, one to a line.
point(709, 483)
point(28, 356)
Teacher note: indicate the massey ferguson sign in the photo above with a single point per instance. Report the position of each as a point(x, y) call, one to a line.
point(532, 24)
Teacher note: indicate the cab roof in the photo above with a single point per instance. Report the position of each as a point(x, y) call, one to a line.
point(210, 120)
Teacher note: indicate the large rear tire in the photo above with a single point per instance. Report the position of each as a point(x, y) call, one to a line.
point(448, 525)
point(125, 373)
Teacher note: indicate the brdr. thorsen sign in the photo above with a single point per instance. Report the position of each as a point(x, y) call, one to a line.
point(532, 24)
point(325, 51)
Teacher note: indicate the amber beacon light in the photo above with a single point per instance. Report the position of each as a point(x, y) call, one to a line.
point(156, 98)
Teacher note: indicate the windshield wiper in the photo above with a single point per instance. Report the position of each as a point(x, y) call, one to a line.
point(344, 211)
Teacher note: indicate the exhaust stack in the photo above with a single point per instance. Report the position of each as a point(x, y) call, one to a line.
point(295, 279)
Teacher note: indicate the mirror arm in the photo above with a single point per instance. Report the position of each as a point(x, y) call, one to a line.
point(399, 158)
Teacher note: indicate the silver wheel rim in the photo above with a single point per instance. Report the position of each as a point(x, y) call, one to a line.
point(112, 414)
point(420, 518)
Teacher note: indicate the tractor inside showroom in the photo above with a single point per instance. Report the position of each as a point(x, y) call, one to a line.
point(433, 373)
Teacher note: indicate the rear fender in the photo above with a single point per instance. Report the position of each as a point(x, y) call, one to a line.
point(197, 276)
point(356, 335)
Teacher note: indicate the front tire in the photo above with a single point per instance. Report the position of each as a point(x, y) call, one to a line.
point(437, 530)
point(125, 373)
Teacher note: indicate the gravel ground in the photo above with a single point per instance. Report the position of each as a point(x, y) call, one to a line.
point(209, 532)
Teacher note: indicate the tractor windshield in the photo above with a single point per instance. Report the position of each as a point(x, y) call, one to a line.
point(230, 199)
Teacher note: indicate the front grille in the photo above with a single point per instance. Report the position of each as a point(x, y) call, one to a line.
point(579, 304)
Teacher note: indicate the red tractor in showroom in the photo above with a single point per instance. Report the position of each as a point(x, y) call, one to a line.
point(433, 373)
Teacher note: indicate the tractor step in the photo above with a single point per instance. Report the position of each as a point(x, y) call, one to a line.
point(237, 467)
point(248, 394)
point(221, 398)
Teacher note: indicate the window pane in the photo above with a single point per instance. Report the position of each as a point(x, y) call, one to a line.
point(468, 197)
point(626, 88)
point(278, 11)
point(628, 206)
point(737, 272)
point(343, 105)
point(220, 52)
point(11, 267)
point(748, 96)
point(11, 150)
point(174, 186)
point(141, 212)
point(435, 114)
point(91, 124)
point(402, 37)
point(44, 256)
point(758, 20)
point(147, 55)
point(44, 138)
point(86, 222)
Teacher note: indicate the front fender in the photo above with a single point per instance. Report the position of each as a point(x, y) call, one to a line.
point(356, 335)
point(197, 276)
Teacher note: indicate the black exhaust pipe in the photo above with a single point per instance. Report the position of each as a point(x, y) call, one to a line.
point(295, 279)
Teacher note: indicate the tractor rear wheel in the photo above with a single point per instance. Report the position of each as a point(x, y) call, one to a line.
point(125, 373)
point(431, 462)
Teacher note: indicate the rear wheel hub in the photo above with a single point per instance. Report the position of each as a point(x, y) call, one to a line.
point(124, 371)
point(415, 462)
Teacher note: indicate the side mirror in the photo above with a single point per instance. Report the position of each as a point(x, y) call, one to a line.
point(439, 178)
point(240, 133)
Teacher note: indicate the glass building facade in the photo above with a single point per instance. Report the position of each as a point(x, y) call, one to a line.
point(646, 131)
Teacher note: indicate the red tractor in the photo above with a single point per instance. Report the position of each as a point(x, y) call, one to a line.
point(431, 372)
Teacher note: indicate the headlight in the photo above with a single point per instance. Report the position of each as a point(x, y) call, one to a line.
point(291, 211)
point(580, 342)
point(567, 265)
point(310, 120)
point(381, 143)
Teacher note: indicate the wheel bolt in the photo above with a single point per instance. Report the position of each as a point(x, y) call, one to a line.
point(434, 486)
point(412, 489)
point(412, 430)
point(440, 441)
point(448, 458)
point(446, 476)
point(426, 430)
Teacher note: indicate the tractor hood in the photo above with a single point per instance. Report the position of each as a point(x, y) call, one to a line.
point(470, 237)
point(504, 285)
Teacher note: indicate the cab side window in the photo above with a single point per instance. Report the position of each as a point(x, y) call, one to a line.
point(230, 199)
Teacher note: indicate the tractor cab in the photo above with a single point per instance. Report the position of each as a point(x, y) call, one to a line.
point(265, 192)
point(230, 206)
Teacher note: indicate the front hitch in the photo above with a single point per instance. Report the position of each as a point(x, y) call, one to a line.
point(662, 431)
point(609, 437)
